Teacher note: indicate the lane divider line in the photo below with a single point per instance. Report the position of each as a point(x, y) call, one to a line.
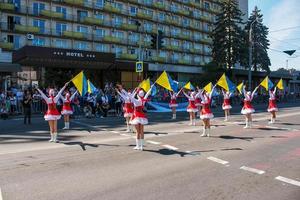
point(152, 142)
point(249, 169)
point(114, 131)
point(170, 147)
point(287, 180)
point(223, 162)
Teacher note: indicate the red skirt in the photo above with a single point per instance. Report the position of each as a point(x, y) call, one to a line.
point(173, 103)
point(192, 107)
point(272, 106)
point(138, 117)
point(247, 108)
point(206, 112)
point(198, 102)
point(67, 110)
point(226, 104)
point(128, 109)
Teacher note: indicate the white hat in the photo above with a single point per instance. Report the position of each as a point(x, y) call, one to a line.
point(141, 93)
point(51, 92)
point(249, 93)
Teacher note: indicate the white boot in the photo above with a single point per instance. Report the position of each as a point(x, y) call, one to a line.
point(250, 124)
point(194, 122)
point(174, 116)
point(67, 125)
point(51, 140)
point(128, 129)
point(64, 128)
point(137, 146)
point(274, 120)
point(204, 132)
point(226, 119)
point(247, 124)
point(191, 123)
point(207, 132)
point(55, 138)
point(141, 144)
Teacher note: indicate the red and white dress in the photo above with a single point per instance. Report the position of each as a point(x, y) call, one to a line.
point(67, 109)
point(52, 112)
point(192, 106)
point(206, 102)
point(128, 105)
point(173, 103)
point(272, 102)
point(226, 103)
point(139, 117)
point(198, 102)
point(248, 108)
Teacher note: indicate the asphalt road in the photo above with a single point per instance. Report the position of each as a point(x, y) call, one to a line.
point(95, 160)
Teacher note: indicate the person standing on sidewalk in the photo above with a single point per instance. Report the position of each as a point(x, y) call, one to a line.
point(27, 100)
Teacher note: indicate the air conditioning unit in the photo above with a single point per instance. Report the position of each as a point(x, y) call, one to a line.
point(30, 36)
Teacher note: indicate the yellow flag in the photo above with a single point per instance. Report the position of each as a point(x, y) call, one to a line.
point(208, 87)
point(264, 83)
point(80, 83)
point(222, 82)
point(145, 85)
point(280, 84)
point(240, 87)
point(189, 86)
point(163, 80)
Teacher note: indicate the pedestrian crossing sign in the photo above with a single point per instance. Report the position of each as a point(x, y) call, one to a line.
point(139, 66)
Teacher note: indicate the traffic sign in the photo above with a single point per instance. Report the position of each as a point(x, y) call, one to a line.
point(139, 66)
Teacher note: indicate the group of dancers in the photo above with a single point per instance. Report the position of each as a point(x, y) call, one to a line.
point(134, 102)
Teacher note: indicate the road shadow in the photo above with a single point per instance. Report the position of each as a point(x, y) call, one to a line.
point(270, 129)
point(229, 137)
point(288, 124)
point(81, 144)
point(212, 150)
point(168, 152)
point(155, 133)
point(274, 136)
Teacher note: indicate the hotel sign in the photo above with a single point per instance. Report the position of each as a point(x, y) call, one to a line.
point(74, 54)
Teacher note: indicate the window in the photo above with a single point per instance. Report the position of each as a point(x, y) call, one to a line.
point(174, 7)
point(37, 8)
point(16, 41)
point(147, 26)
point(99, 15)
point(187, 57)
point(99, 33)
point(185, 21)
point(62, 10)
point(81, 46)
point(197, 36)
point(187, 45)
point(175, 43)
point(61, 43)
point(39, 23)
point(119, 6)
point(175, 31)
point(60, 28)
point(134, 37)
point(197, 59)
point(206, 5)
point(162, 16)
point(37, 41)
point(133, 10)
point(175, 57)
point(81, 14)
point(118, 20)
point(118, 50)
point(99, 3)
point(118, 34)
point(101, 47)
point(163, 54)
point(17, 4)
point(198, 46)
point(82, 29)
point(205, 27)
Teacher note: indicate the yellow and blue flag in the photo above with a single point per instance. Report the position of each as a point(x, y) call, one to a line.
point(91, 88)
point(145, 85)
point(164, 81)
point(174, 84)
point(208, 87)
point(189, 86)
point(240, 87)
point(267, 83)
point(80, 82)
point(280, 84)
point(225, 83)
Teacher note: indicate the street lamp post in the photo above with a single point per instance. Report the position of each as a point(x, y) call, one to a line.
point(250, 56)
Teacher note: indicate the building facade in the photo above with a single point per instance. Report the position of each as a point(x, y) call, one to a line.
point(119, 27)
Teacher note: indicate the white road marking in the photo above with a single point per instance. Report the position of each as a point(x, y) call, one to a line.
point(126, 135)
point(1, 195)
point(223, 162)
point(170, 147)
point(84, 124)
point(153, 142)
point(287, 180)
point(257, 171)
point(114, 131)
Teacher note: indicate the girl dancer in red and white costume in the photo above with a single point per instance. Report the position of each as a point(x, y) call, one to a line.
point(66, 109)
point(248, 109)
point(226, 104)
point(192, 108)
point(139, 118)
point(173, 104)
point(128, 106)
point(272, 108)
point(206, 113)
point(52, 114)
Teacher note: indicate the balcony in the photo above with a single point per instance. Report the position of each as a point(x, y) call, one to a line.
point(27, 29)
point(110, 8)
point(197, 5)
point(7, 6)
point(71, 34)
point(205, 18)
point(92, 20)
point(131, 27)
point(206, 40)
point(144, 15)
point(159, 5)
point(75, 2)
point(127, 56)
point(171, 47)
point(185, 37)
point(7, 45)
point(184, 62)
point(171, 21)
point(184, 12)
point(112, 39)
point(52, 14)
point(147, 44)
point(158, 59)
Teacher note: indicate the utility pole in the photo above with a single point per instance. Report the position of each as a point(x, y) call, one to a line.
point(250, 56)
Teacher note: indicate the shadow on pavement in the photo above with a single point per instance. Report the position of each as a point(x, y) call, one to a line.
point(155, 133)
point(168, 152)
point(229, 137)
point(81, 144)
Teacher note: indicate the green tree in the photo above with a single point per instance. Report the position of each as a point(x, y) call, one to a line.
point(260, 42)
point(228, 35)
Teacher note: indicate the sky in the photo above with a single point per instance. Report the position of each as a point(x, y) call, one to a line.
point(282, 17)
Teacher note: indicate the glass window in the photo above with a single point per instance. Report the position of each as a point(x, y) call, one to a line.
point(99, 3)
point(118, 34)
point(163, 54)
point(16, 41)
point(39, 23)
point(81, 46)
point(99, 15)
point(60, 28)
point(100, 32)
point(37, 41)
point(81, 14)
point(118, 50)
point(101, 47)
point(134, 37)
point(82, 29)
point(119, 6)
point(175, 57)
point(162, 16)
point(62, 10)
point(133, 10)
point(38, 7)
point(206, 5)
point(175, 43)
point(59, 43)
point(118, 20)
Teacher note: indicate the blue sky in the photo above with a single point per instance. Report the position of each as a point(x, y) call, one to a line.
point(278, 15)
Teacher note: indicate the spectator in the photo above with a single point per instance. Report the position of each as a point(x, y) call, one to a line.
point(105, 104)
point(13, 103)
point(87, 110)
point(27, 100)
point(118, 105)
point(36, 102)
point(3, 111)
